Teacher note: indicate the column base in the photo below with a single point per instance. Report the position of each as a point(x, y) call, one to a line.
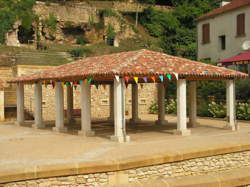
point(229, 127)
point(120, 139)
point(137, 120)
point(161, 122)
point(185, 132)
point(61, 129)
point(88, 133)
point(18, 123)
point(41, 126)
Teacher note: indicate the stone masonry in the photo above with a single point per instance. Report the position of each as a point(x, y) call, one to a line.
point(192, 167)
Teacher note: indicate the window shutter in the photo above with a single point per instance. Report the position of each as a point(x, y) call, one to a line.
point(205, 33)
point(240, 24)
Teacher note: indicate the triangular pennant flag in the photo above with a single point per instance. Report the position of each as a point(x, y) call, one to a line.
point(75, 86)
point(145, 79)
point(126, 78)
point(126, 84)
point(90, 80)
point(97, 86)
point(104, 86)
point(169, 76)
point(153, 78)
point(141, 86)
point(81, 82)
point(53, 84)
point(62, 83)
point(136, 79)
point(117, 78)
point(161, 78)
point(68, 84)
point(176, 76)
point(85, 81)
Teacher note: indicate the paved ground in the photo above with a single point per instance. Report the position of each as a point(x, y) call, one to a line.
point(25, 148)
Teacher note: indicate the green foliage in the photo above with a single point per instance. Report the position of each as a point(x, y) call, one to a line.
point(177, 29)
point(150, 2)
point(217, 110)
point(243, 111)
point(243, 89)
point(51, 22)
point(79, 52)
point(108, 13)
point(13, 10)
point(110, 32)
point(170, 107)
point(202, 109)
point(82, 40)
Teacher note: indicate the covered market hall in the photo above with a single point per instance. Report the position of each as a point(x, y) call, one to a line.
point(119, 70)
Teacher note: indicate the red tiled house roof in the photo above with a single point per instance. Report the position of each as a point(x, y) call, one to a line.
point(238, 58)
point(141, 63)
point(231, 6)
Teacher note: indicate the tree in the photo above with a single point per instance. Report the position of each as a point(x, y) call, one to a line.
point(13, 10)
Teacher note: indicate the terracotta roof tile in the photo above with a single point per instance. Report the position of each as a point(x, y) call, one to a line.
point(133, 63)
point(238, 58)
point(231, 6)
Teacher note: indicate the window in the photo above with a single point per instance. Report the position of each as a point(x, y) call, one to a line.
point(240, 25)
point(205, 33)
point(222, 42)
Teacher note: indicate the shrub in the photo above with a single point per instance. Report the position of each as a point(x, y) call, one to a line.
point(171, 107)
point(82, 40)
point(217, 110)
point(202, 109)
point(108, 13)
point(110, 32)
point(79, 52)
point(243, 111)
point(153, 109)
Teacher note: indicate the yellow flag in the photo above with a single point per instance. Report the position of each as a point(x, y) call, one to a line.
point(136, 79)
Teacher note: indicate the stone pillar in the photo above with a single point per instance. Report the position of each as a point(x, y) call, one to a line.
point(111, 103)
point(20, 104)
point(231, 105)
point(119, 109)
point(227, 101)
point(161, 105)
point(70, 104)
point(59, 96)
point(38, 107)
point(2, 115)
point(182, 108)
point(192, 104)
point(135, 104)
point(86, 111)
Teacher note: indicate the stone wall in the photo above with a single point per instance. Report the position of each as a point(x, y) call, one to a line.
point(192, 167)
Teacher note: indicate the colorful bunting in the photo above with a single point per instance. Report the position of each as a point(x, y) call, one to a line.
point(90, 80)
point(161, 78)
point(81, 82)
point(126, 78)
point(62, 83)
point(145, 79)
point(85, 81)
point(136, 79)
point(53, 84)
point(104, 86)
point(117, 78)
point(97, 86)
point(169, 76)
point(176, 76)
point(153, 78)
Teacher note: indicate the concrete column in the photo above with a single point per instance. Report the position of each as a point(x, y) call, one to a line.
point(20, 104)
point(119, 109)
point(182, 108)
point(231, 105)
point(161, 105)
point(2, 114)
point(38, 107)
point(86, 111)
point(70, 104)
point(135, 104)
point(59, 96)
point(111, 103)
point(192, 104)
point(227, 101)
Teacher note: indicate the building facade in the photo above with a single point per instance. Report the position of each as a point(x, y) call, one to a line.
point(222, 32)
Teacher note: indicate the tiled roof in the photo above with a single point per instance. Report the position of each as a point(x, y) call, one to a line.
point(231, 6)
point(238, 58)
point(133, 63)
